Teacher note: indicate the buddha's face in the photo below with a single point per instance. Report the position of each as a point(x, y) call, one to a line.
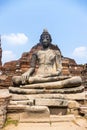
point(45, 40)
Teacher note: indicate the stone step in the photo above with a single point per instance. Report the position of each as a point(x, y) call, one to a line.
point(51, 119)
point(83, 110)
point(62, 118)
point(27, 113)
point(35, 114)
point(77, 96)
point(25, 118)
point(22, 102)
point(18, 108)
point(23, 108)
point(51, 102)
point(41, 102)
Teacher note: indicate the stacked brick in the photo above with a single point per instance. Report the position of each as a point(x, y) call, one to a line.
point(65, 64)
point(4, 100)
point(70, 67)
point(84, 76)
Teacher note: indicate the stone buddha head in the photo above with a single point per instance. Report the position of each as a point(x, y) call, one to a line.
point(45, 39)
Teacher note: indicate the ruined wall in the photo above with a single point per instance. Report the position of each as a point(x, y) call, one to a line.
point(4, 100)
point(71, 67)
point(84, 76)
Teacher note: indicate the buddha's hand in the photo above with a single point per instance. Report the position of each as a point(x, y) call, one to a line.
point(58, 72)
point(25, 77)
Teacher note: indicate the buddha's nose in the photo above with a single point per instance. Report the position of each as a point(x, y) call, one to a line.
point(45, 40)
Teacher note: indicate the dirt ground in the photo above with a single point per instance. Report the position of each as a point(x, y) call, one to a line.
point(80, 124)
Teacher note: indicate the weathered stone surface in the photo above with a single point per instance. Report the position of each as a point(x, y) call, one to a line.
point(76, 96)
point(24, 90)
point(51, 102)
point(73, 104)
point(16, 108)
point(18, 97)
point(73, 111)
point(20, 107)
point(13, 116)
point(4, 93)
point(35, 114)
point(23, 102)
point(73, 107)
point(63, 118)
point(4, 100)
point(5, 81)
point(67, 83)
point(28, 113)
point(83, 110)
point(84, 76)
point(51, 119)
point(47, 79)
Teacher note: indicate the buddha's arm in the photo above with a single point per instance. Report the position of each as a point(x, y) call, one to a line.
point(26, 75)
point(58, 62)
point(31, 70)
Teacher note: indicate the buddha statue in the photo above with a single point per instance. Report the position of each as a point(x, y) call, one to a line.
point(48, 74)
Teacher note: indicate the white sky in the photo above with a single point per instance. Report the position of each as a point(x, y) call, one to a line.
point(22, 22)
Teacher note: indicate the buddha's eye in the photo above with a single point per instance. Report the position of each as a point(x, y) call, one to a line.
point(47, 37)
point(43, 37)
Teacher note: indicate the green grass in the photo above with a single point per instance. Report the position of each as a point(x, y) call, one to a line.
point(11, 121)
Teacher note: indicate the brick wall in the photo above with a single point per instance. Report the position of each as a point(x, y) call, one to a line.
point(4, 100)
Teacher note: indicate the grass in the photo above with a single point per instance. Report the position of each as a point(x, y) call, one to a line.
point(11, 121)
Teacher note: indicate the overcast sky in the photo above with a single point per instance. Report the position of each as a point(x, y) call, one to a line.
point(22, 22)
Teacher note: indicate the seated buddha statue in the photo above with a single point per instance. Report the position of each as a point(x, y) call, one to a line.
point(48, 74)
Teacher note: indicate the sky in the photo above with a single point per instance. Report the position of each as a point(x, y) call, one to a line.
point(23, 21)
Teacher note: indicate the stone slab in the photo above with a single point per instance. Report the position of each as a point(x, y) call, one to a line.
point(26, 108)
point(35, 114)
point(34, 120)
point(77, 96)
point(18, 97)
point(51, 119)
point(51, 102)
point(23, 102)
point(4, 93)
point(62, 118)
point(83, 109)
point(16, 108)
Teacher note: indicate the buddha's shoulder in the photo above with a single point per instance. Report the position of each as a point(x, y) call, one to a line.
point(56, 52)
